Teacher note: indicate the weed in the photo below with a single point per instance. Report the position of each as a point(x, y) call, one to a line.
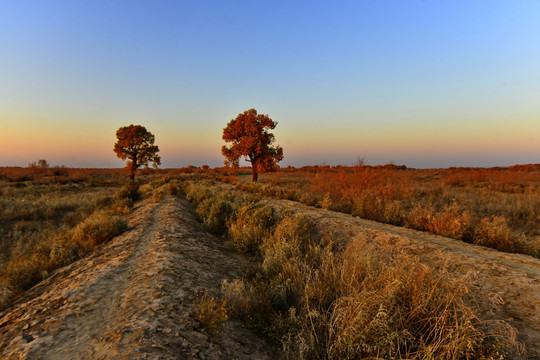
point(158, 194)
point(494, 232)
point(130, 190)
point(215, 213)
point(449, 202)
point(100, 227)
point(250, 226)
point(48, 225)
point(172, 188)
point(210, 312)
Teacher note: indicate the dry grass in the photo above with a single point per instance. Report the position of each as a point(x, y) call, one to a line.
point(329, 299)
point(448, 202)
point(46, 225)
point(250, 226)
point(211, 313)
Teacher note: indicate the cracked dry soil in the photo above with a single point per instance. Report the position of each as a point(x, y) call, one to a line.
point(133, 297)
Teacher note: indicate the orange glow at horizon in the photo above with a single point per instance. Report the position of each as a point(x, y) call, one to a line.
point(28, 137)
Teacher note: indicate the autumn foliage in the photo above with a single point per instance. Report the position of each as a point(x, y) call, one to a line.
point(136, 144)
point(250, 139)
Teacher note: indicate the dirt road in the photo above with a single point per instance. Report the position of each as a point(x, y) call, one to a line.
point(133, 298)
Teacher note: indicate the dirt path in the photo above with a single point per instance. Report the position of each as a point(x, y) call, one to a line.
point(511, 282)
point(133, 298)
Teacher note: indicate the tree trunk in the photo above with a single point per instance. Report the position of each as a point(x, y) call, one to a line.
point(255, 174)
point(133, 168)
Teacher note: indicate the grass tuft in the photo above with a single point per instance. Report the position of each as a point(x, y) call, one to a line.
point(210, 312)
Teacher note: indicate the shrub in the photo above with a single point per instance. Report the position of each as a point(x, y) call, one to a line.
point(451, 222)
point(250, 226)
point(215, 213)
point(100, 227)
point(420, 217)
point(157, 194)
point(235, 293)
point(326, 202)
point(197, 193)
point(172, 188)
point(401, 310)
point(122, 206)
point(130, 191)
point(494, 232)
point(24, 272)
point(211, 313)
point(393, 213)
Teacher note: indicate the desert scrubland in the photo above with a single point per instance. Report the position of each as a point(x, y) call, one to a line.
point(300, 265)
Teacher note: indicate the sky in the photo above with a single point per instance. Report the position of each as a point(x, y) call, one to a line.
point(432, 83)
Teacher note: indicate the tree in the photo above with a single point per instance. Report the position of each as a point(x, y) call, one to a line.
point(251, 139)
point(136, 144)
point(39, 166)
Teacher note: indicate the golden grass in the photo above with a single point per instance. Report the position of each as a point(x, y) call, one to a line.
point(211, 313)
point(326, 298)
point(47, 225)
point(448, 202)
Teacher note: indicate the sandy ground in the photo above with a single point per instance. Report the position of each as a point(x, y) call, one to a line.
point(133, 298)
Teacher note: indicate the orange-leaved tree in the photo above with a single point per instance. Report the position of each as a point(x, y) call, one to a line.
point(250, 138)
point(136, 145)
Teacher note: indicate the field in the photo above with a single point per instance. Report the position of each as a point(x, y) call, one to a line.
point(494, 207)
point(314, 281)
point(49, 220)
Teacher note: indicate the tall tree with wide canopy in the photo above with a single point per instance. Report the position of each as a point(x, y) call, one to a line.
point(250, 138)
point(136, 145)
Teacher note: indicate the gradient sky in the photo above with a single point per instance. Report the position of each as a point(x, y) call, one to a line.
point(424, 83)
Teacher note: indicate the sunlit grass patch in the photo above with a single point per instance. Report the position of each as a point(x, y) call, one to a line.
point(346, 300)
point(211, 313)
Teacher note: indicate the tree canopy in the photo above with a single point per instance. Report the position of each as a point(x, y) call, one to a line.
point(250, 138)
point(136, 145)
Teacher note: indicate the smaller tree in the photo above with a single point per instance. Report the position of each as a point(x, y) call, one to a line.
point(251, 139)
point(136, 145)
point(39, 166)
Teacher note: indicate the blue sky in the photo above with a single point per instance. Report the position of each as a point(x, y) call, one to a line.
point(421, 83)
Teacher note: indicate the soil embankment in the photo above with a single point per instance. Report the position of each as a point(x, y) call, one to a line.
point(133, 298)
point(510, 283)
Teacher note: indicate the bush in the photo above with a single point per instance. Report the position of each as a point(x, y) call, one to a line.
point(250, 226)
point(211, 313)
point(172, 188)
point(197, 193)
point(157, 194)
point(451, 222)
point(215, 213)
point(130, 191)
point(100, 227)
point(494, 232)
point(420, 217)
point(122, 206)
